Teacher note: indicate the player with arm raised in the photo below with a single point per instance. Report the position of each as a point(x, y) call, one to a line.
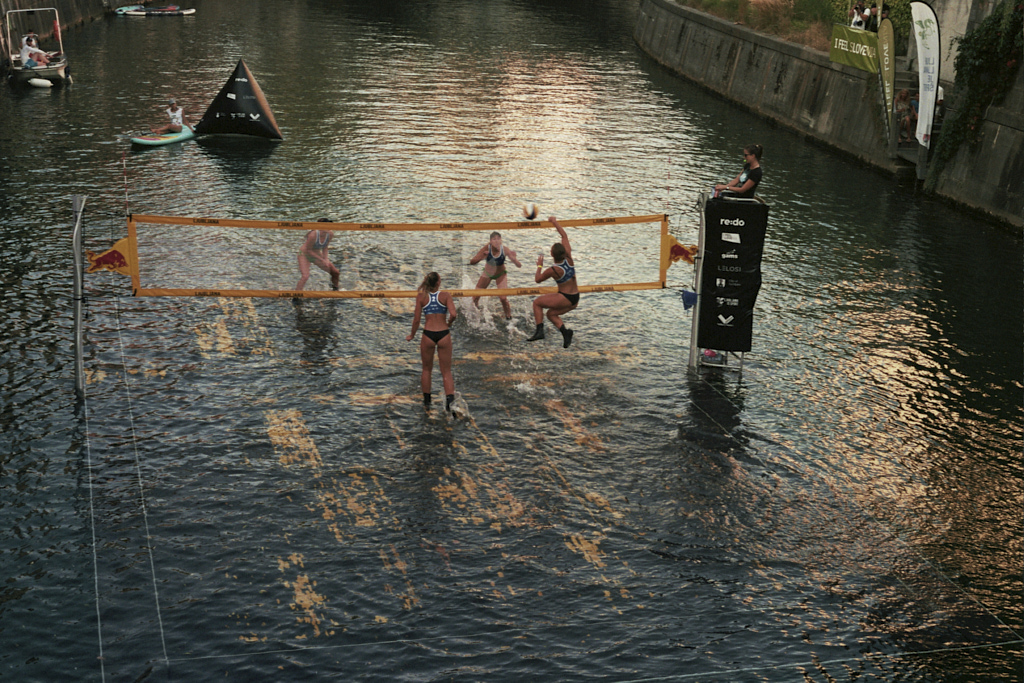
point(563, 272)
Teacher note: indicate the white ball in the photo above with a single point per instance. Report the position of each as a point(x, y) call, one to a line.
point(530, 210)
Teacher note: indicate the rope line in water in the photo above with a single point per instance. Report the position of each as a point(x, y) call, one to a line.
point(867, 515)
point(124, 166)
point(92, 525)
point(138, 472)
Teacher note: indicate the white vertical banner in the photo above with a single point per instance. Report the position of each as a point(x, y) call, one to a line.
point(926, 34)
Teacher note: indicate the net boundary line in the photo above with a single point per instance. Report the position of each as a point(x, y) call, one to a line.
point(387, 227)
point(138, 290)
point(383, 294)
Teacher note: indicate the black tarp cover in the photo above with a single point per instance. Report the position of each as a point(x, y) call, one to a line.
point(240, 109)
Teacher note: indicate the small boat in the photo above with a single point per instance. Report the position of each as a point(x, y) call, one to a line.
point(159, 12)
point(154, 140)
point(23, 22)
point(132, 8)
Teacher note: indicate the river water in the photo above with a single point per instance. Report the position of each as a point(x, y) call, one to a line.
point(251, 490)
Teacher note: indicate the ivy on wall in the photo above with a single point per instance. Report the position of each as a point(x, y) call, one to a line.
point(986, 66)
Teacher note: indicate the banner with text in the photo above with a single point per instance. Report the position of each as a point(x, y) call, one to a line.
point(854, 47)
point(887, 62)
point(731, 273)
point(926, 32)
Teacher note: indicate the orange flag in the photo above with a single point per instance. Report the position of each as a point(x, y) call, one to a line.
point(115, 259)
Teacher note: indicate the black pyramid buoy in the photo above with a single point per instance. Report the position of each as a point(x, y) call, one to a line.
point(240, 109)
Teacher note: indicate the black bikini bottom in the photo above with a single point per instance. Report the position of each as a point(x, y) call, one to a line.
point(435, 335)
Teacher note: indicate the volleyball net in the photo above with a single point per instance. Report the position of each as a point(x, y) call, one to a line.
point(172, 256)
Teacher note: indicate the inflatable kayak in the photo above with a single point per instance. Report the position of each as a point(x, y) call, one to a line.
point(165, 139)
point(159, 12)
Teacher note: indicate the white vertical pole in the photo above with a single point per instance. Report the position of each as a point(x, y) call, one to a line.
point(697, 270)
point(78, 206)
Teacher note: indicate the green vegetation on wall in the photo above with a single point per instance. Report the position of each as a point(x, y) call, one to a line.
point(986, 65)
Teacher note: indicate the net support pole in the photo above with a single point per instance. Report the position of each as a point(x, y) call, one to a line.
point(698, 266)
point(663, 273)
point(78, 207)
point(133, 247)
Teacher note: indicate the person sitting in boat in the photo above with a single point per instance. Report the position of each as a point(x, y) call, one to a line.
point(178, 119)
point(31, 55)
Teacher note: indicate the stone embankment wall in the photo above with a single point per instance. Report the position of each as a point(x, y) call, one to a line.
point(989, 176)
point(799, 88)
point(791, 84)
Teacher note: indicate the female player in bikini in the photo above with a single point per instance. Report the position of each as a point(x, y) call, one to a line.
point(314, 250)
point(568, 296)
point(438, 309)
point(494, 270)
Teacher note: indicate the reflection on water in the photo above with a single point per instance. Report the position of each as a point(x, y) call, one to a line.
point(253, 490)
point(315, 322)
point(239, 157)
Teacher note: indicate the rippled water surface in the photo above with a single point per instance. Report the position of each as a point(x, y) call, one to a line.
point(251, 490)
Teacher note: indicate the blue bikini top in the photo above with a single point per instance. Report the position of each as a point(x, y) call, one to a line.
point(568, 272)
point(435, 306)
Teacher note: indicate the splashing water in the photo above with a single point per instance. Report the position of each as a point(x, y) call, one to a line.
point(460, 410)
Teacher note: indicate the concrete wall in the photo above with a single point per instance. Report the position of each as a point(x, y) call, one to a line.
point(72, 12)
point(793, 85)
point(799, 88)
point(989, 176)
point(954, 18)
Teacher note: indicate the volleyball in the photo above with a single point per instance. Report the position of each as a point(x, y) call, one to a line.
point(530, 210)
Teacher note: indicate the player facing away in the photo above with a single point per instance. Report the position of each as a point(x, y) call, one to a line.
point(438, 311)
point(568, 296)
point(494, 269)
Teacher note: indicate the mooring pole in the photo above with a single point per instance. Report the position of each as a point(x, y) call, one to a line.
point(78, 206)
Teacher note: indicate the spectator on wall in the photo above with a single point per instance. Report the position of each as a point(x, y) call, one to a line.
point(858, 15)
point(873, 19)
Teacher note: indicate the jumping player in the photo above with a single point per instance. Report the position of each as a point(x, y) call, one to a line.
point(494, 270)
point(568, 296)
